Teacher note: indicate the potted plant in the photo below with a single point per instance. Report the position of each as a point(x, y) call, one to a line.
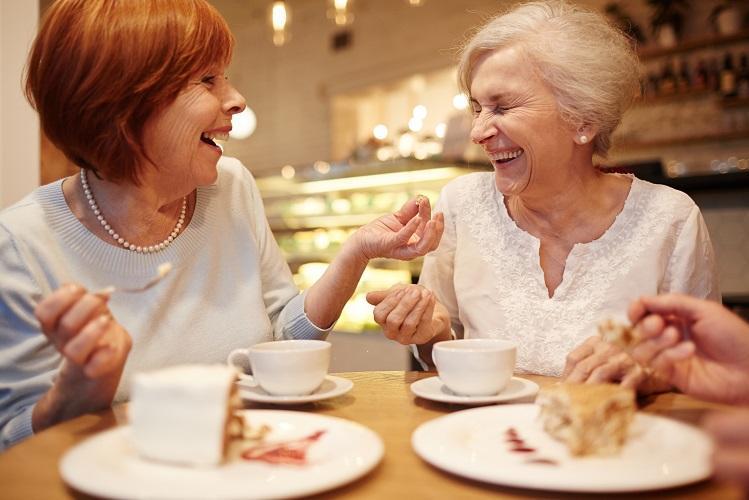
point(668, 20)
point(726, 17)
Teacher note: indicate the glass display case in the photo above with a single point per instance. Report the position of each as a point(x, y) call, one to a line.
point(312, 210)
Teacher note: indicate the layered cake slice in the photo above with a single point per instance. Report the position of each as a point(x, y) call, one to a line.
point(592, 419)
point(184, 414)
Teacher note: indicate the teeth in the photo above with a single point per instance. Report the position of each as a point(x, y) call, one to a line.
point(505, 155)
point(221, 136)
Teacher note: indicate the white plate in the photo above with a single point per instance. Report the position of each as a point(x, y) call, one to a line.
point(433, 388)
point(659, 453)
point(107, 465)
point(331, 387)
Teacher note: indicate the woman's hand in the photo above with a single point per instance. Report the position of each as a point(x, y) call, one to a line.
point(596, 361)
point(408, 233)
point(406, 313)
point(698, 346)
point(730, 433)
point(94, 347)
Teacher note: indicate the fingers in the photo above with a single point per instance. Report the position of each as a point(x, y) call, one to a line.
point(417, 205)
point(404, 313)
point(49, 309)
point(582, 369)
point(614, 368)
point(646, 350)
point(377, 296)
point(82, 345)
point(578, 354)
point(425, 331)
point(429, 240)
point(683, 306)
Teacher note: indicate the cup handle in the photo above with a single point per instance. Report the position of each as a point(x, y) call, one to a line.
point(240, 359)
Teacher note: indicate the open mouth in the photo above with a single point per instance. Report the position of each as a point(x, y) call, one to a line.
point(211, 137)
point(505, 156)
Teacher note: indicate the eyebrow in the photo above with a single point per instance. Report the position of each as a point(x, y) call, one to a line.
point(494, 98)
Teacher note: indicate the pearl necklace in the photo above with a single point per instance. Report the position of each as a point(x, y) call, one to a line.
point(119, 239)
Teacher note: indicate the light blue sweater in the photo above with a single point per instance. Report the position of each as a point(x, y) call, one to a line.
point(230, 287)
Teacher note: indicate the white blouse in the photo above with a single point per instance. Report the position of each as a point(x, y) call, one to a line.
point(487, 272)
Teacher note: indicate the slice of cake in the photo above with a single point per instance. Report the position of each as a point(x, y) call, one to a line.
point(184, 414)
point(592, 419)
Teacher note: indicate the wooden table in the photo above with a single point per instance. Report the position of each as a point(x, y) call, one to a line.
point(381, 401)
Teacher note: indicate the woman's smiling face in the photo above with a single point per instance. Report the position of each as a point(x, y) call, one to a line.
point(517, 122)
point(179, 138)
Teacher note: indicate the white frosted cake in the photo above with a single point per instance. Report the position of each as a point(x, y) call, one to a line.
point(183, 414)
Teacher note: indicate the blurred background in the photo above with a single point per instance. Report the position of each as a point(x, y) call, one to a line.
point(353, 108)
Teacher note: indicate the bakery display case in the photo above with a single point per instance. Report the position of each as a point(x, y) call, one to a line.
point(313, 209)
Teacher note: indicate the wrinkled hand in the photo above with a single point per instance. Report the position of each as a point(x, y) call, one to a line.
point(406, 234)
point(596, 361)
point(94, 346)
point(698, 346)
point(405, 313)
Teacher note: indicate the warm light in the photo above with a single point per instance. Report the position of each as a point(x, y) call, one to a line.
point(406, 145)
point(340, 12)
point(322, 167)
point(415, 3)
point(279, 16)
point(440, 129)
point(279, 20)
point(415, 124)
point(420, 112)
point(243, 124)
point(460, 101)
point(380, 132)
point(288, 172)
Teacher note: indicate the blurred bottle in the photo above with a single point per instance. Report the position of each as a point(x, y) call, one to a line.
point(742, 82)
point(683, 78)
point(728, 77)
point(667, 82)
point(650, 86)
point(700, 80)
point(713, 75)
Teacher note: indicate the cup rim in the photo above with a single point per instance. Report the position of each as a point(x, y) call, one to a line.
point(301, 345)
point(475, 345)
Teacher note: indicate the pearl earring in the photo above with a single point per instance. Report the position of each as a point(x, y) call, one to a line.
point(584, 139)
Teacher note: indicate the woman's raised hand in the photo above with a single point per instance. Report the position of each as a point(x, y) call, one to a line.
point(406, 313)
point(94, 347)
point(406, 234)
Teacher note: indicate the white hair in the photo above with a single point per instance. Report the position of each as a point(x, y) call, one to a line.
point(590, 66)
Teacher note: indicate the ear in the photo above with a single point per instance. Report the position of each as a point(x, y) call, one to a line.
point(585, 134)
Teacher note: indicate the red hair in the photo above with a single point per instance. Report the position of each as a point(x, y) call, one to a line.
point(98, 69)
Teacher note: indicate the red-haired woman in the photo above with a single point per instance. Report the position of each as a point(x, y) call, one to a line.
point(134, 93)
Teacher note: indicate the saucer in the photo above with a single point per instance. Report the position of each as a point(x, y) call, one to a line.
point(331, 387)
point(433, 388)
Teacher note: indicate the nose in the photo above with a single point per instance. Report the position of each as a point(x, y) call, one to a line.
point(234, 102)
point(482, 129)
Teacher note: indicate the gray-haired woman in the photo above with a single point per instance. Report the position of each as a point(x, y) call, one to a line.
point(545, 246)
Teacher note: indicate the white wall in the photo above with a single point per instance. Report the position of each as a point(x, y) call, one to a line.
point(19, 126)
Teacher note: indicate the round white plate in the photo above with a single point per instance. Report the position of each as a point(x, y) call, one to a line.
point(107, 465)
point(433, 388)
point(331, 387)
point(659, 453)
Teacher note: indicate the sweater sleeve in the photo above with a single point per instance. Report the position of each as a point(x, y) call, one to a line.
point(284, 304)
point(691, 268)
point(28, 361)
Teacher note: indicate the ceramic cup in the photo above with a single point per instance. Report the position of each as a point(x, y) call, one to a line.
point(285, 367)
point(475, 367)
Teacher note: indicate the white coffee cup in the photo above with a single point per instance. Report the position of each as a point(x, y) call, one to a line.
point(285, 367)
point(475, 367)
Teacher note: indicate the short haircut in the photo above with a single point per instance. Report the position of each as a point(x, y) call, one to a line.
point(99, 69)
point(590, 66)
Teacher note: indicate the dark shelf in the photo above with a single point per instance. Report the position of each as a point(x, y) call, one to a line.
point(680, 141)
point(709, 42)
point(653, 172)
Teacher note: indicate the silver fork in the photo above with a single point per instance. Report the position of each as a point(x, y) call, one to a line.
point(161, 271)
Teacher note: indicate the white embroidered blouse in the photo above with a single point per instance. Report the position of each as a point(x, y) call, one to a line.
point(487, 272)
